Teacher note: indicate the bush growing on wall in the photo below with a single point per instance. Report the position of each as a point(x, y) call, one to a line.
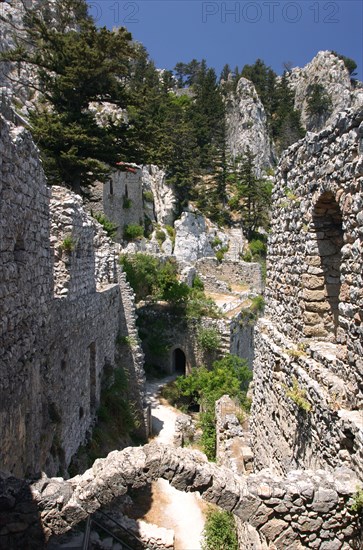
point(209, 338)
point(133, 231)
point(108, 226)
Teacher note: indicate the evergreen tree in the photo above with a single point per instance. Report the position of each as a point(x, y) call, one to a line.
point(75, 68)
point(349, 63)
point(285, 122)
point(226, 71)
point(264, 80)
point(252, 195)
point(318, 102)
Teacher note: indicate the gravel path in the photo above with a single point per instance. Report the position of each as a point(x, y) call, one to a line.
point(182, 512)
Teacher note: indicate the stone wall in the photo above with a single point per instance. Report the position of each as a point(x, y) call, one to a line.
point(237, 272)
point(308, 369)
point(308, 509)
point(122, 200)
point(308, 515)
point(64, 308)
point(165, 334)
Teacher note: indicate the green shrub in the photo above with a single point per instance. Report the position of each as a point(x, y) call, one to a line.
point(68, 244)
point(250, 314)
point(108, 226)
point(257, 304)
point(221, 252)
point(133, 231)
point(229, 375)
point(198, 283)
point(160, 236)
point(130, 341)
point(209, 339)
point(357, 505)
point(198, 305)
point(220, 531)
point(148, 196)
point(247, 256)
point(171, 232)
point(151, 277)
point(257, 248)
point(216, 242)
point(297, 395)
point(126, 202)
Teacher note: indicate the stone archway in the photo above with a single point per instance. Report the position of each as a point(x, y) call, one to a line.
point(62, 504)
point(179, 361)
point(322, 282)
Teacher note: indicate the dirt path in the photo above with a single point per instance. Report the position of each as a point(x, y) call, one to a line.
point(182, 512)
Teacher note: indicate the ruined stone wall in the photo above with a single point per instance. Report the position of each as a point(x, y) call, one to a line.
point(64, 309)
point(236, 272)
point(302, 510)
point(122, 199)
point(164, 332)
point(306, 516)
point(308, 367)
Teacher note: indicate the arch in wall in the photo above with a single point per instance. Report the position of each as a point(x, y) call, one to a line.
point(322, 282)
point(179, 361)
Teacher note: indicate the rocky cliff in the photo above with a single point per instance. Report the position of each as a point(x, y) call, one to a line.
point(330, 72)
point(246, 125)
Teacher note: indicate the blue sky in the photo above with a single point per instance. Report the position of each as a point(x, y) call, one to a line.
point(238, 32)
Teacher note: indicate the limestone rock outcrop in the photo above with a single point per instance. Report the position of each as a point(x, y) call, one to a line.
point(327, 70)
point(194, 235)
point(246, 125)
point(164, 199)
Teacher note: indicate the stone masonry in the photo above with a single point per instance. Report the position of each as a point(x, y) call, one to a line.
point(289, 511)
point(308, 392)
point(167, 335)
point(64, 306)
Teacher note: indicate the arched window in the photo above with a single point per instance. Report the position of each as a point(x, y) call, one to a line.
point(322, 282)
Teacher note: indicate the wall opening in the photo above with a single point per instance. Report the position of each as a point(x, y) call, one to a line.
point(92, 381)
point(19, 251)
point(179, 362)
point(323, 283)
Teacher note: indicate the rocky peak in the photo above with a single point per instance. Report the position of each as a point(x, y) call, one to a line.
point(328, 71)
point(247, 124)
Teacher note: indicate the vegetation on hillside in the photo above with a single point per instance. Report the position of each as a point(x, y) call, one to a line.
point(175, 119)
point(204, 387)
point(155, 279)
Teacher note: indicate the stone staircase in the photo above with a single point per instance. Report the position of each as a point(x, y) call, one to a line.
point(236, 241)
point(225, 346)
point(101, 532)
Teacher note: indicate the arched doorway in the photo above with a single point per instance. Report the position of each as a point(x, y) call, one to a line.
point(179, 361)
point(322, 283)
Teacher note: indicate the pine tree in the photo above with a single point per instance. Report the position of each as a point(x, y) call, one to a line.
point(285, 122)
point(252, 195)
point(74, 68)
